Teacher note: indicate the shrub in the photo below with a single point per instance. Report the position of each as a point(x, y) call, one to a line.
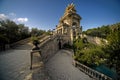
point(89, 53)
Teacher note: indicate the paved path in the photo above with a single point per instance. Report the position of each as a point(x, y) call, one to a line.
point(60, 67)
point(15, 65)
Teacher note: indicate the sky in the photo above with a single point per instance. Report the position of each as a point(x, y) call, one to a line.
point(45, 14)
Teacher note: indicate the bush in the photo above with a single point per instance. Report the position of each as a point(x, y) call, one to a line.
point(3, 39)
point(88, 53)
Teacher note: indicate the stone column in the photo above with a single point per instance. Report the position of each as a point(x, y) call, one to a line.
point(62, 30)
point(71, 35)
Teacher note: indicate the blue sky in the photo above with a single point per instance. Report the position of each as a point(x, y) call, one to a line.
point(45, 14)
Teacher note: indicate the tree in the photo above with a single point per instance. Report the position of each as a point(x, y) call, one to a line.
point(102, 31)
point(113, 49)
point(88, 53)
point(10, 30)
point(34, 32)
point(37, 32)
point(23, 31)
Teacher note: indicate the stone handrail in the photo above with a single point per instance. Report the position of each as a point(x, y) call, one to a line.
point(92, 73)
point(48, 47)
point(44, 40)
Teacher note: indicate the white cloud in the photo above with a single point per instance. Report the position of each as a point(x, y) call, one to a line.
point(21, 20)
point(3, 17)
point(12, 14)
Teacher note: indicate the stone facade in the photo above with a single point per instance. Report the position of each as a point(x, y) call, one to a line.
point(69, 25)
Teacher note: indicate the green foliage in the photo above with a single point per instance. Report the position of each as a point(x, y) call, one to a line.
point(49, 32)
point(35, 40)
point(113, 48)
point(37, 32)
point(93, 56)
point(81, 44)
point(99, 32)
point(88, 53)
point(78, 44)
point(114, 36)
point(3, 39)
point(110, 53)
point(23, 31)
point(13, 32)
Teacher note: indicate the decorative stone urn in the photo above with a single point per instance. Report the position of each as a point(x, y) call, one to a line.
point(35, 43)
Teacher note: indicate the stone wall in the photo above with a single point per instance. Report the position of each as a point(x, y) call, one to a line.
point(48, 48)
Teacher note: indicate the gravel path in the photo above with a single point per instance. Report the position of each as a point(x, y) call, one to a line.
point(60, 67)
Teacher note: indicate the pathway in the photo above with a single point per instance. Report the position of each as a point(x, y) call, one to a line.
point(60, 67)
point(15, 65)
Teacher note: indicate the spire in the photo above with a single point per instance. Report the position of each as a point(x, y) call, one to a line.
point(72, 4)
point(70, 9)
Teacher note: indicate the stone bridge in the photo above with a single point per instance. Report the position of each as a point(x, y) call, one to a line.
point(52, 64)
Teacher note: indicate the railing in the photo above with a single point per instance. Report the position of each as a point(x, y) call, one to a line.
point(31, 56)
point(92, 73)
point(43, 42)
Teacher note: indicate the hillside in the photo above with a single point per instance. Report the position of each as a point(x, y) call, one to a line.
point(102, 31)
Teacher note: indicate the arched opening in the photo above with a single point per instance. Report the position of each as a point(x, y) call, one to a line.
point(74, 24)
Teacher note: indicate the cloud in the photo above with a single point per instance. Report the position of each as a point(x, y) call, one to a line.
point(21, 20)
point(12, 14)
point(3, 17)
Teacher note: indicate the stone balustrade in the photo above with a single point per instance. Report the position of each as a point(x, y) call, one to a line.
point(92, 73)
point(48, 47)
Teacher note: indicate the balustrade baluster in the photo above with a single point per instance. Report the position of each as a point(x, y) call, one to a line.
point(94, 74)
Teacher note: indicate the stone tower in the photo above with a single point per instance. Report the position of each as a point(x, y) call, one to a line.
point(69, 25)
